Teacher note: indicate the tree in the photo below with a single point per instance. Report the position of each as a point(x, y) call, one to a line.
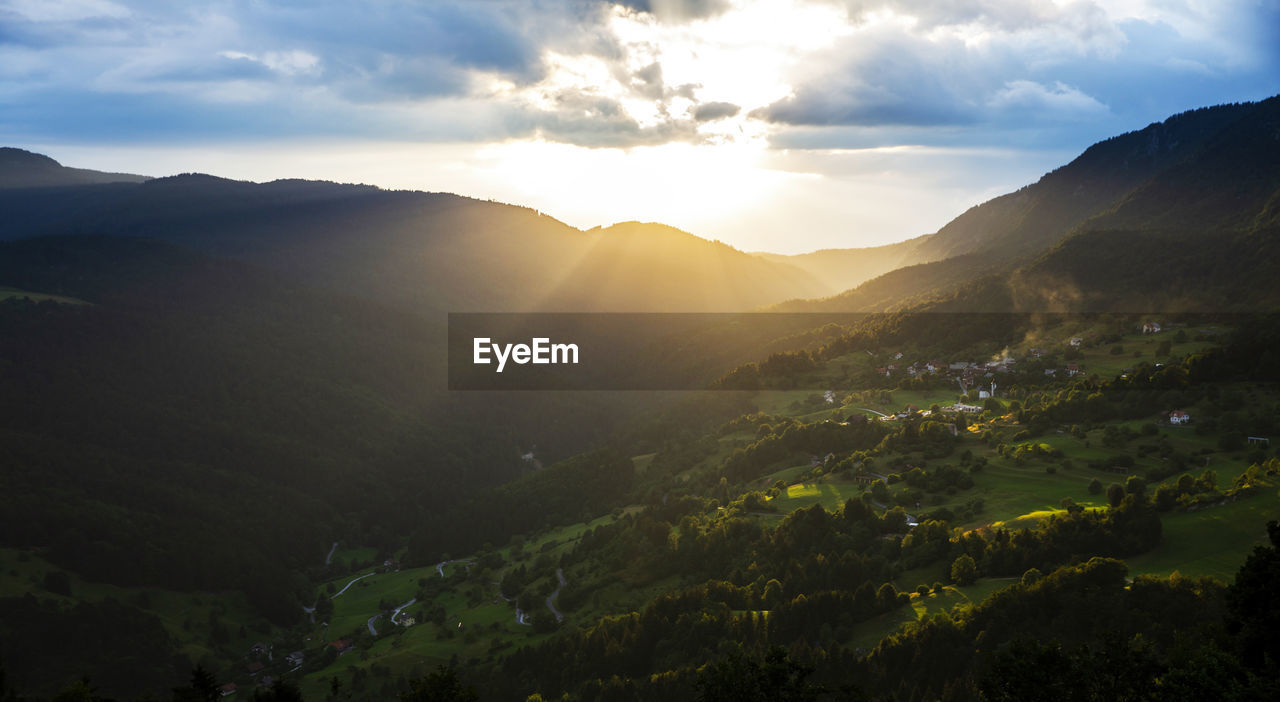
point(963, 570)
point(1135, 485)
point(1253, 605)
point(1032, 576)
point(740, 679)
point(1115, 494)
point(442, 685)
point(203, 687)
point(324, 609)
point(280, 691)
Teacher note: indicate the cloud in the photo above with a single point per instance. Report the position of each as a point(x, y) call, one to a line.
point(885, 77)
point(1032, 97)
point(596, 121)
point(595, 72)
point(64, 11)
point(678, 11)
point(709, 111)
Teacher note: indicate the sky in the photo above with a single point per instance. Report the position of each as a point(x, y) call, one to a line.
point(771, 125)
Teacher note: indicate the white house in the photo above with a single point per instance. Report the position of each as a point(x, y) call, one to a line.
point(1179, 417)
point(1151, 328)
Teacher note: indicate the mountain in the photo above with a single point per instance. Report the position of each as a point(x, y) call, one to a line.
point(1180, 215)
point(842, 269)
point(1039, 215)
point(24, 169)
point(430, 252)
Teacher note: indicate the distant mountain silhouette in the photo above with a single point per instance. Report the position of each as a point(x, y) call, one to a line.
point(841, 269)
point(24, 169)
point(432, 251)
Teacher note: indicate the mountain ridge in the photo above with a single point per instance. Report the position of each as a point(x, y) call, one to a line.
point(20, 168)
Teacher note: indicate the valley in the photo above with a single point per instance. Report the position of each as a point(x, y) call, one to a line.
point(232, 464)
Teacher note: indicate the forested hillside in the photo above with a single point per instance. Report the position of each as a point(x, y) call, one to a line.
point(428, 252)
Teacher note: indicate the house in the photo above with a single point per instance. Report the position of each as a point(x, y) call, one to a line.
point(958, 365)
point(983, 394)
point(259, 649)
point(967, 409)
point(1050, 371)
point(295, 658)
point(1151, 328)
point(829, 396)
point(227, 690)
point(255, 667)
point(392, 564)
point(897, 356)
point(341, 646)
point(934, 366)
point(1075, 341)
point(1179, 417)
point(1073, 369)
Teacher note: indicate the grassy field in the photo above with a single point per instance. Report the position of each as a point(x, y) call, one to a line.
point(352, 557)
point(352, 608)
point(1213, 541)
point(1100, 361)
point(831, 495)
point(869, 633)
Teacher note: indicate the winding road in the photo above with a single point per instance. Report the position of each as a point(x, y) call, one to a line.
point(440, 566)
point(353, 582)
point(394, 614)
point(329, 558)
point(401, 607)
point(551, 599)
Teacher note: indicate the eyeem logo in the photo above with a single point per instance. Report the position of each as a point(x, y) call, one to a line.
point(540, 352)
